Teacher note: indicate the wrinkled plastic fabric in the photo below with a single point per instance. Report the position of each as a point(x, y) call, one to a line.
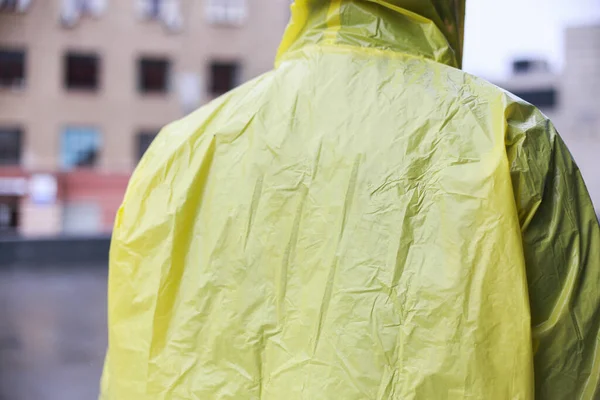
point(366, 221)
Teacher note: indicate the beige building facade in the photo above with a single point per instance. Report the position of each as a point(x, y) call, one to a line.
point(86, 84)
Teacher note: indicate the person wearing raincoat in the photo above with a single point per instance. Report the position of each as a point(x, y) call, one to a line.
point(366, 221)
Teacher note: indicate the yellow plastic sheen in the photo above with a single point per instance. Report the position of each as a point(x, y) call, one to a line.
point(366, 221)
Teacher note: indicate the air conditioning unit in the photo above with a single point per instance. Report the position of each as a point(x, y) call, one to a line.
point(96, 7)
point(170, 14)
point(69, 13)
point(226, 12)
point(72, 10)
point(148, 9)
point(166, 11)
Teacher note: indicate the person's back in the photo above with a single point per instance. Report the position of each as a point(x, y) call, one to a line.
point(364, 222)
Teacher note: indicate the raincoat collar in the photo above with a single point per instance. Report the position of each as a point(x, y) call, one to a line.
point(431, 29)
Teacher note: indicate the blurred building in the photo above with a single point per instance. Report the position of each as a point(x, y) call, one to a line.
point(85, 85)
point(533, 81)
point(571, 99)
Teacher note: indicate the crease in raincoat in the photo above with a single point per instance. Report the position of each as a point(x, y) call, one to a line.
point(366, 221)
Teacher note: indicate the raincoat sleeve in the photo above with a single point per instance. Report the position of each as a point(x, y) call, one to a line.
point(561, 240)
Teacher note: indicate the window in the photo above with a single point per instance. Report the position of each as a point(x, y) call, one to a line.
point(8, 5)
point(9, 215)
point(80, 147)
point(82, 218)
point(81, 71)
point(81, 6)
point(10, 146)
point(544, 98)
point(12, 68)
point(530, 65)
point(73, 10)
point(226, 11)
point(153, 75)
point(151, 8)
point(14, 5)
point(521, 66)
point(224, 77)
point(144, 139)
point(167, 11)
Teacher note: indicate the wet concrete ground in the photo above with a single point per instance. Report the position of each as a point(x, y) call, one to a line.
point(52, 333)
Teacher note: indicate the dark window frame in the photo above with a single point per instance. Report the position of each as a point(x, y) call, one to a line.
point(224, 76)
point(71, 80)
point(92, 158)
point(9, 6)
point(10, 203)
point(522, 66)
point(542, 98)
point(6, 158)
point(153, 74)
point(143, 140)
point(13, 67)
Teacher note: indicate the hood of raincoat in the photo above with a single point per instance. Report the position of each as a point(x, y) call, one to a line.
point(431, 29)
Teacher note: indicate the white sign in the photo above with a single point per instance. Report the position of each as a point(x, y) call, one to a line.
point(189, 88)
point(13, 186)
point(43, 189)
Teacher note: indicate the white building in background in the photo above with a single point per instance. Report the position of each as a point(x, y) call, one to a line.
point(571, 99)
point(580, 88)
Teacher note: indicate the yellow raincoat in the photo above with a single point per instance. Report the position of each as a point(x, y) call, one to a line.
point(366, 221)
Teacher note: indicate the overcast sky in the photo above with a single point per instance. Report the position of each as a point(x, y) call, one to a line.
point(499, 30)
